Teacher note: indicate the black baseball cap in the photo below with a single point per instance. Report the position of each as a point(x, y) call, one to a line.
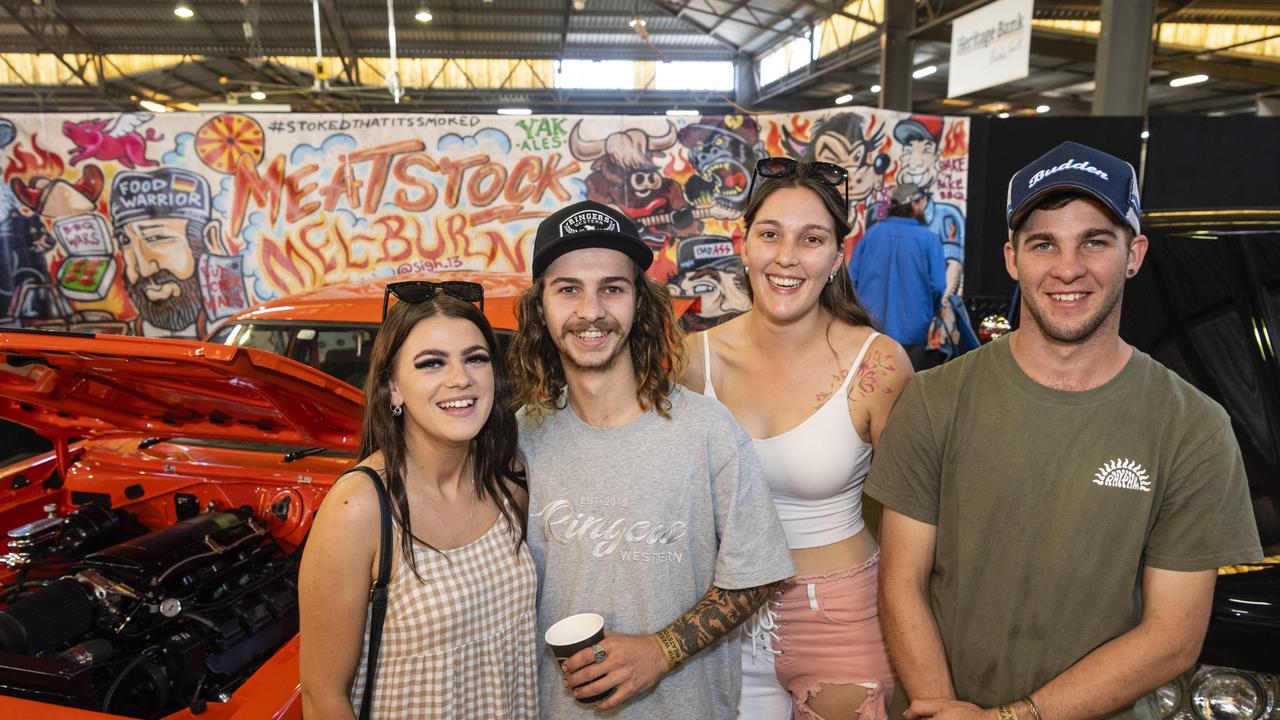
point(587, 224)
point(1072, 166)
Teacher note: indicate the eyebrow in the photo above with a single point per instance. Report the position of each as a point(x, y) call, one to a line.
point(437, 352)
point(1047, 235)
point(604, 280)
point(806, 228)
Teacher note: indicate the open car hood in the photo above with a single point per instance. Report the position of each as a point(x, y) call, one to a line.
point(67, 385)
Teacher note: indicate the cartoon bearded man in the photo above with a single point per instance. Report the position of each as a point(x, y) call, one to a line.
point(177, 269)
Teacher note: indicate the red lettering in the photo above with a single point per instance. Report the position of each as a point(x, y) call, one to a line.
point(477, 194)
point(317, 247)
point(265, 191)
point(454, 170)
point(294, 192)
point(393, 227)
point(343, 182)
point(381, 157)
point(285, 264)
point(401, 172)
point(526, 170)
point(551, 177)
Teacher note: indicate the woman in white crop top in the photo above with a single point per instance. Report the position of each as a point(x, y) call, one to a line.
point(812, 382)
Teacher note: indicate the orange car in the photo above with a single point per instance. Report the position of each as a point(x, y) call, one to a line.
point(151, 567)
point(332, 328)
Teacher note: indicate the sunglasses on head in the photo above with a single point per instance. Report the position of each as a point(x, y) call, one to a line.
point(784, 167)
point(416, 291)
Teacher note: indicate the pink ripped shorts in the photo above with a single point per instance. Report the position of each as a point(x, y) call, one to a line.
point(825, 631)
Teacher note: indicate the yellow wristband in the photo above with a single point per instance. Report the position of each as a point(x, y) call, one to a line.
point(1006, 712)
point(670, 648)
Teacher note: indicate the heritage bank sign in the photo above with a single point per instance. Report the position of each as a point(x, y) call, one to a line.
point(990, 46)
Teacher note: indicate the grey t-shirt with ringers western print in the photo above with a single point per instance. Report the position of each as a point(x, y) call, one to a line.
point(636, 523)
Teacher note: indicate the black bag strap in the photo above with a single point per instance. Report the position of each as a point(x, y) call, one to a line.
point(378, 595)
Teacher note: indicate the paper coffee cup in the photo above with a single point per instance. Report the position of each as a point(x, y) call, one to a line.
point(572, 635)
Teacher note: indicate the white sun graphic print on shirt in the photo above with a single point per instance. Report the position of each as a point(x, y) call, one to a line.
point(1121, 473)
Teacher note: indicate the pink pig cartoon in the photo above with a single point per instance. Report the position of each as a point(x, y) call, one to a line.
point(118, 141)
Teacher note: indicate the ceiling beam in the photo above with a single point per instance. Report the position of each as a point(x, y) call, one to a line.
point(341, 36)
point(679, 15)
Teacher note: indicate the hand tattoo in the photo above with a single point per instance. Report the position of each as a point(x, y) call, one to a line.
point(718, 612)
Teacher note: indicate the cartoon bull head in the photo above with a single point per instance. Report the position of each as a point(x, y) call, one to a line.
point(625, 156)
point(57, 197)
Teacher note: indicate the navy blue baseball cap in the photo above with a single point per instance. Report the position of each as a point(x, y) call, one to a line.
point(1072, 166)
point(587, 224)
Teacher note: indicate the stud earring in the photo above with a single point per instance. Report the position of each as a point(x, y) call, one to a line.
point(397, 410)
point(1129, 272)
point(832, 276)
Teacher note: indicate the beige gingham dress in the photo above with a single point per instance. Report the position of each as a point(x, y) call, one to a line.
point(463, 644)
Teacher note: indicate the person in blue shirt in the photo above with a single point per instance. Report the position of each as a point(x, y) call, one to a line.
point(899, 273)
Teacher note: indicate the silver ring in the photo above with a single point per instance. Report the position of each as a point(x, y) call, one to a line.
point(598, 654)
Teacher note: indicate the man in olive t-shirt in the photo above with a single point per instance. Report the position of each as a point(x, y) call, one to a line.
point(1056, 503)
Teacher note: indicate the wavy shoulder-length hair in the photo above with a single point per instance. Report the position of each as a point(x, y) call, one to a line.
point(838, 296)
point(493, 452)
point(657, 353)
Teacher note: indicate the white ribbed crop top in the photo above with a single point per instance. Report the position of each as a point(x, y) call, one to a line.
point(816, 469)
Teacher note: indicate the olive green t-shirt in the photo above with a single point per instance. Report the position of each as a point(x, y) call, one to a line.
point(1048, 504)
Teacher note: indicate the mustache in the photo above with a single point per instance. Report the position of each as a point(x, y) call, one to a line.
point(603, 325)
point(161, 277)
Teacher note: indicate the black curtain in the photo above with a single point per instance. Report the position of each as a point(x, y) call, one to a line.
point(998, 150)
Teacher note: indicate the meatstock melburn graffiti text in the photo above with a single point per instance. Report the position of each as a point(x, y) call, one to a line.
point(443, 208)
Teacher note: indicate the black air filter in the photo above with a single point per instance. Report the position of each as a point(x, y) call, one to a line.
point(63, 610)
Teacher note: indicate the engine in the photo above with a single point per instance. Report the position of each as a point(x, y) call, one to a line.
point(113, 618)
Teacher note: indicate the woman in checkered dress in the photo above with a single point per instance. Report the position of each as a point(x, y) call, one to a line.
point(459, 639)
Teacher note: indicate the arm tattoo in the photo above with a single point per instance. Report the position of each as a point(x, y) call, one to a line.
point(718, 612)
point(873, 369)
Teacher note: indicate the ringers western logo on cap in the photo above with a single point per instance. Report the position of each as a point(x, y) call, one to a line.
point(588, 221)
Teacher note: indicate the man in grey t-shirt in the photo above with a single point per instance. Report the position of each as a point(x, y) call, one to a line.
point(646, 501)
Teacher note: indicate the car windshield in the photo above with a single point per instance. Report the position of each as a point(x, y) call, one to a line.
point(341, 351)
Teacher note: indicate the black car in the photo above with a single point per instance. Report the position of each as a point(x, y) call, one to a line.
point(1207, 306)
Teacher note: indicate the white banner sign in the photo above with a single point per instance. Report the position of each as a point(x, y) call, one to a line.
point(990, 46)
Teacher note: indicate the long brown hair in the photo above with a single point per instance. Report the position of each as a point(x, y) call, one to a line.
point(657, 353)
point(493, 452)
point(838, 296)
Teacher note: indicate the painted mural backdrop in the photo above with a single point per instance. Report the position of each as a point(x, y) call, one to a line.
point(165, 225)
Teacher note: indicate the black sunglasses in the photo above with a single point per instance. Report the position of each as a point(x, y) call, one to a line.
point(783, 167)
point(416, 291)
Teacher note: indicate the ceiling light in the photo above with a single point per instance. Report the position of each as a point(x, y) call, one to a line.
point(184, 11)
point(844, 99)
point(681, 113)
point(1145, 134)
point(637, 20)
point(153, 106)
point(1043, 108)
point(579, 5)
point(1003, 115)
point(875, 88)
point(925, 71)
point(514, 111)
point(422, 16)
point(257, 94)
point(1188, 80)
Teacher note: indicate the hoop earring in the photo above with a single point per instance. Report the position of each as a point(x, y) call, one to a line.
point(397, 410)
